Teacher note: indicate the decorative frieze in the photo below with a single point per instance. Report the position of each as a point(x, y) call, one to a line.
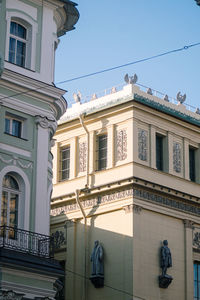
point(98, 200)
point(58, 239)
point(121, 144)
point(142, 144)
point(82, 156)
point(16, 161)
point(177, 157)
point(167, 202)
point(196, 238)
point(138, 193)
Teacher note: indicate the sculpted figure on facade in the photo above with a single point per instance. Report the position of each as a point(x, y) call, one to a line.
point(165, 263)
point(166, 258)
point(97, 259)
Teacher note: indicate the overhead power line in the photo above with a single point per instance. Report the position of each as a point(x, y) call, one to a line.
point(105, 70)
point(130, 63)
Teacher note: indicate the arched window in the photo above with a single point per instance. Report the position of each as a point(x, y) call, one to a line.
point(17, 44)
point(9, 201)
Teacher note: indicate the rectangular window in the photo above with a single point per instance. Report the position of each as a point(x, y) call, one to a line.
point(196, 281)
point(159, 152)
point(13, 126)
point(102, 152)
point(65, 163)
point(192, 163)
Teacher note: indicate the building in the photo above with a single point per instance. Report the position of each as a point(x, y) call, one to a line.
point(126, 174)
point(30, 106)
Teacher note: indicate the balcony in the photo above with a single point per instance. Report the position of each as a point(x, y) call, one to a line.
point(26, 242)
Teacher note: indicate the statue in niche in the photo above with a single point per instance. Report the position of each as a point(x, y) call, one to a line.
point(165, 262)
point(97, 259)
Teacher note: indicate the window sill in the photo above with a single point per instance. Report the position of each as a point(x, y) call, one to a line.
point(24, 68)
point(16, 136)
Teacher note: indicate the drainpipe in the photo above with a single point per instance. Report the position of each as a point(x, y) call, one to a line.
point(85, 241)
point(77, 193)
point(88, 149)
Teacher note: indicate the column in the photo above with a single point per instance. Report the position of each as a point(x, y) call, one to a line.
point(41, 193)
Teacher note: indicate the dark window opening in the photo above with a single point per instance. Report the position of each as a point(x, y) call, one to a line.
point(159, 152)
point(192, 163)
point(102, 152)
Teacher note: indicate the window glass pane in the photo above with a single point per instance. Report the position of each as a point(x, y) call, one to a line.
point(16, 128)
point(195, 271)
point(20, 57)
point(7, 125)
point(21, 31)
point(65, 174)
point(12, 50)
point(13, 28)
point(159, 152)
point(18, 30)
point(13, 209)
point(192, 163)
point(102, 152)
point(4, 203)
point(65, 153)
point(65, 163)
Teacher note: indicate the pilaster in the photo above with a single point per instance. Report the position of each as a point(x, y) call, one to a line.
point(188, 227)
point(41, 200)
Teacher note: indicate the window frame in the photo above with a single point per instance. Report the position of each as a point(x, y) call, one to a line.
point(12, 118)
point(99, 150)
point(18, 40)
point(10, 191)
point(32, 28)
point(67, 159)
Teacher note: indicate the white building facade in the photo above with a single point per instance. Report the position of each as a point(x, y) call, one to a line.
point(30, 106)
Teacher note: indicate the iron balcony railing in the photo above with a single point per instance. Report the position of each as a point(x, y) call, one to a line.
point(26, 241)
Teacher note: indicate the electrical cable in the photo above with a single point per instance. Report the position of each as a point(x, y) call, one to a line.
point(130, 63)
point(108, 286)
point(105, 70)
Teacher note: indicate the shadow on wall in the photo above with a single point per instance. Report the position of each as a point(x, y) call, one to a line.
point(118, 253)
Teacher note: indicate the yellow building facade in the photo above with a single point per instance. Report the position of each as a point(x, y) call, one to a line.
point(126, 173)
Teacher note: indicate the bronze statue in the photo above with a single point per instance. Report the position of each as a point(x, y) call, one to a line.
point(97, 259)
point(166, 258)
point(165, 262)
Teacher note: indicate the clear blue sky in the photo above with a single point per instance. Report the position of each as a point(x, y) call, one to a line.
point(115, 32)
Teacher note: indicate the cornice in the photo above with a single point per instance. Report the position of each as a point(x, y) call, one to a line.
point(168, 110)
point(165, 190)
point(21, 85)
